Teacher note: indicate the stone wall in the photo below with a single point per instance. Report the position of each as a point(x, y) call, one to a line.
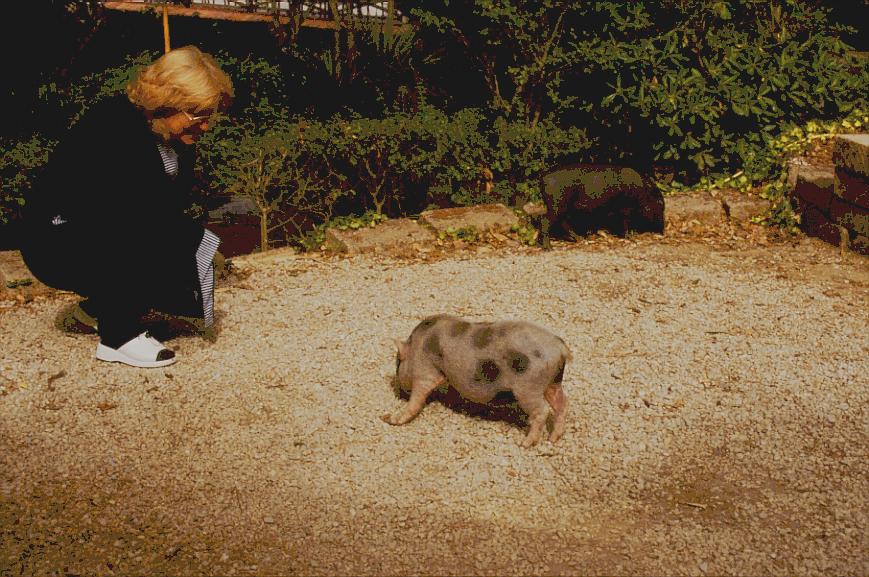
point(833, 202)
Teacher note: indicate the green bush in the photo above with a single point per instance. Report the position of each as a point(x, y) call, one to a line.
point(286, 170)
point(392, 165)
point(702, 85)
point(430, 152)
point(19, 162)
point(709, 83)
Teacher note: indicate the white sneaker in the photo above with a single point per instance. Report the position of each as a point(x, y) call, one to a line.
point(144, 351)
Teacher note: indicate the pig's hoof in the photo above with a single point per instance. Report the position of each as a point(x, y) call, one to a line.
point(530, 440)
point(391, 419)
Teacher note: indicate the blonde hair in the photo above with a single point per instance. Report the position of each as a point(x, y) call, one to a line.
point(182, 79)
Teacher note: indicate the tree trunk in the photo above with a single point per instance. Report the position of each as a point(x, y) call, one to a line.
point(264, 229)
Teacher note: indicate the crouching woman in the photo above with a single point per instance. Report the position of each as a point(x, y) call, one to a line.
point(107, 217)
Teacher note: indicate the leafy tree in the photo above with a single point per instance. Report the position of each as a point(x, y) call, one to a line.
point(519, 49)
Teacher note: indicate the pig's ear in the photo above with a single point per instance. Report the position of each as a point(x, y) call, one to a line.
point(402, 349)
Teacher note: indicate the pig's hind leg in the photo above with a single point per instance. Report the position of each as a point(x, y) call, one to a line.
point(554, 395)
point(418, 394)
point(538, 410)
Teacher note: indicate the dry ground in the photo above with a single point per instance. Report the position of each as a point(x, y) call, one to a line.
point(718, 423)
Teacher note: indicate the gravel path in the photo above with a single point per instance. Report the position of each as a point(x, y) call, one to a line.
point(718, 424)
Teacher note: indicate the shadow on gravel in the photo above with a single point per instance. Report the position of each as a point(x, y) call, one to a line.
point(502, 408)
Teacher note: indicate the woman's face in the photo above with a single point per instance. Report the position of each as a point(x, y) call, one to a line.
point(182, 126)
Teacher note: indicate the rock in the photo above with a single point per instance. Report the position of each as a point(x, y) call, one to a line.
point(794, 167)
point(851, 152)
point(706, 208)
point(814, 186)
point(534, 209)
point(386, 235)
point(852, 188)
point(482, 218)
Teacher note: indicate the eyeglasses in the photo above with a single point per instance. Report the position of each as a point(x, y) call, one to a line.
point(192, 118)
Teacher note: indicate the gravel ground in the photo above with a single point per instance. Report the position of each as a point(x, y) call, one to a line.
point(718, 424)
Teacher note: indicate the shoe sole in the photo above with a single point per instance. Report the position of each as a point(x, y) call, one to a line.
point(110, 355)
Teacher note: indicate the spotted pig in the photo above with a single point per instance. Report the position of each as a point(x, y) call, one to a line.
point(479, 360)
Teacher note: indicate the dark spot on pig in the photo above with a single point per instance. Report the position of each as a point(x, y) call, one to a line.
point(459, 328)
point(537, 353)
point(518, 361)
point(503, 398)
point(487, 371)
point(433, 346)
point(483, 337)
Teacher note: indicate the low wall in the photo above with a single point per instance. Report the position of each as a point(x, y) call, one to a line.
point(833, 202)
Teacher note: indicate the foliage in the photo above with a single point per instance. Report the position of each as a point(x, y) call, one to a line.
point(770, 179)
point(709, 90)
point(68, 26)
point(19, 162)
point(519, 50)
point(485, 95)
point(698, 84)
point(261, 87)
point(388, 165)
point(284, 170)
point(314, 239)
point(793, 142)
point(521, 153)
point(68, 103)
point(526, 233)
point(465, 233)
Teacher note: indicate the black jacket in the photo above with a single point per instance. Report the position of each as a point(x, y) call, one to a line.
point(117, 209)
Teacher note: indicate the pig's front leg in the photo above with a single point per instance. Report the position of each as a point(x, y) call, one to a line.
point(418, 394)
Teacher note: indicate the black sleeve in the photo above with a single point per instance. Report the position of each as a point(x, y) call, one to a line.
point(108, 176)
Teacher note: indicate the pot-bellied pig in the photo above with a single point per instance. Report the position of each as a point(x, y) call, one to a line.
point(479, 360)
point(584, 198)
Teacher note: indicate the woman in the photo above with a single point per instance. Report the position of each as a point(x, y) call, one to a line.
point(107, 217)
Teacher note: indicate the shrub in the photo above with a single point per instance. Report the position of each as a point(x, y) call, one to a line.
point(701, 85)
point(19, 163)
point(285, 170)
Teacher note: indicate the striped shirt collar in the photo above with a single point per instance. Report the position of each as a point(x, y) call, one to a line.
point(170, 158)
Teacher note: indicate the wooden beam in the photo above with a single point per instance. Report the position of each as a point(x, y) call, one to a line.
point(227, 13)
point(166, 44)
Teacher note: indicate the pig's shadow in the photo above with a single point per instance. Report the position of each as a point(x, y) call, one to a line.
point(502, 408)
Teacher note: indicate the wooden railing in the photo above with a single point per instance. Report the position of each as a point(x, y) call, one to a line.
point(314, 14)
